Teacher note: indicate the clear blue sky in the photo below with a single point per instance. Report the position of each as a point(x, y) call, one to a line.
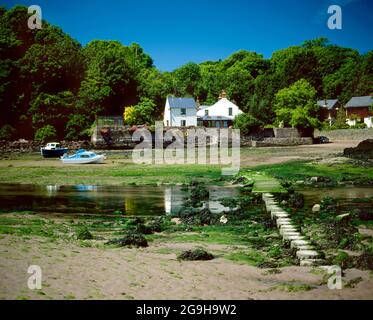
point(174, 32)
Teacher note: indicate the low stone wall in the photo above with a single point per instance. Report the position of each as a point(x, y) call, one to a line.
point(346, 134)
point(280, 142)
point(34, 146)
point(286, 133)
point(120, 137)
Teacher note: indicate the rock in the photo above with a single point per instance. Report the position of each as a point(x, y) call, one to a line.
point(177, 221)
point(311, 262)
point(343, 216)
point(307, 254)
point(314, 179)
point(223, 219)
point(194, 255)
point(316, 208)
point(364, 150)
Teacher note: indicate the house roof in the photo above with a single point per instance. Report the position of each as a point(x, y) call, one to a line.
point(330, 103)
point(184, 103)
point(359, 102)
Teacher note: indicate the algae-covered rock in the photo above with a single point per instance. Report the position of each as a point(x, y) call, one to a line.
point(194, 255)
point(130, 239)
point(84, 234)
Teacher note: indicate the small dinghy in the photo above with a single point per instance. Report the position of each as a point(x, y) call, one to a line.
point(83, 157)
point(53, 150)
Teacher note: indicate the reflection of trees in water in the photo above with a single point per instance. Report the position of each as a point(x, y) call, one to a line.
point(98, 200)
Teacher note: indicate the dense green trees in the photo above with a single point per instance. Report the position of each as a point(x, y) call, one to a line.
point(296, 106)
point(47, 78)
point(142, 113)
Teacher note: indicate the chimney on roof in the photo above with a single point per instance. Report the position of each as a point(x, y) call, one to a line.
point(198, 105)
point(222, 95)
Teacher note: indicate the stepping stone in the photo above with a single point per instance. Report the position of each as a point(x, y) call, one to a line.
point(291, 233)
point(286, 225)
point(280, 215)
point(306, 248)
point(283, 221)
point(290, 236)
point(293, 238)
point(289, 227)
point(299, 243)
point(272, 207)
point(310, 262)
point(276, 210)
point(307, 254)
point(267, 194)
point(287, 230)
point(270, 201)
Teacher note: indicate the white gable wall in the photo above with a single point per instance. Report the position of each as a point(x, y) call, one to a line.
point(221, 108)
point(167, 115)
point(173, 117)
point(190, 117)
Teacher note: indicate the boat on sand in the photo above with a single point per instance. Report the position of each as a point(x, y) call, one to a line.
point(83, 157)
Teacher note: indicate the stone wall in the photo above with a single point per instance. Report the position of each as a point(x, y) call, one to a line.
point(34, 146)
point(282, 142)
point(120, 137)
point(283, 137)
point(281, 133)
point(347, 134)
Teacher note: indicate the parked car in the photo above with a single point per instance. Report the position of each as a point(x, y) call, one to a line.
point(321, 139)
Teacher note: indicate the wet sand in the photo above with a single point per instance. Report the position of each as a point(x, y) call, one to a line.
point(75, 272)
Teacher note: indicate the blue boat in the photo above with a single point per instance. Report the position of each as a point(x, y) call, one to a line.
point(53, 150)
point(83, 157)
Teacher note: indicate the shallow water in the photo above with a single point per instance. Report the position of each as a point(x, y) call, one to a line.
point(347, 193)
point(85, 199)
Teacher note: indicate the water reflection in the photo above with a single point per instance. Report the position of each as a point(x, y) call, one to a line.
point(88, 199)
point(313, 196)
point(174, 199)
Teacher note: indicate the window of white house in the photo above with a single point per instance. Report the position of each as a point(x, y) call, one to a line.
point(183, 112)
point(230, 111)
point(206, 112)
point(183, 123)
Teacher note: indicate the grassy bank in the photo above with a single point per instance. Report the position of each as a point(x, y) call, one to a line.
point(301, 170)
point(110, 174)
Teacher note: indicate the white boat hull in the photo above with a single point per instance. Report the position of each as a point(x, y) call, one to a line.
point(94, 160)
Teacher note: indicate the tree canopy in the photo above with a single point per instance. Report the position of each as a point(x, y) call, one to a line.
point(48, 78)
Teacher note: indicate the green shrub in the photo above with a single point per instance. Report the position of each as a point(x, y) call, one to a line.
point(246, 123)
point(45, 133)
point(7, 132)
point(84, 234)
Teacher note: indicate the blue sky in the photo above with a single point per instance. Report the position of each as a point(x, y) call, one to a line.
point(175, 32)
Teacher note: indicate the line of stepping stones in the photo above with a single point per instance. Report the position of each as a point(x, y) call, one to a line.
point(290, 233)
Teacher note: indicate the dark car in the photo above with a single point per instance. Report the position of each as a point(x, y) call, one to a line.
point(321, 139)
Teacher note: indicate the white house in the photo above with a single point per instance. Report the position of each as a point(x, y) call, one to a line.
point(219, 115)
point(180, 112)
